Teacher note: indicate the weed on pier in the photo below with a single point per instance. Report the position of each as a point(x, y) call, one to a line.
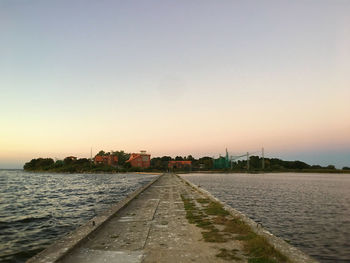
point(220, 227)
point(228, 254)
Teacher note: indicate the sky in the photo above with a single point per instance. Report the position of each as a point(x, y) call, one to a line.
point(175, 78)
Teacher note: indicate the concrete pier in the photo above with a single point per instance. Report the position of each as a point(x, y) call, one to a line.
point(154, 226)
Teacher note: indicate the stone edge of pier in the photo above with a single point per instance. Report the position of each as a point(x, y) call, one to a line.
point(67, 243)
point(291, 252)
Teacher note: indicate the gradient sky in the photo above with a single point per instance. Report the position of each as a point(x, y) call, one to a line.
point(175, 78)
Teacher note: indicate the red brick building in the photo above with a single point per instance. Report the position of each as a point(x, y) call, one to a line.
point(142, 160)
point(179, 164)
point(106, 159)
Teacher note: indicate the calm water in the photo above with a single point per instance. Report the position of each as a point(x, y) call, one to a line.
point(36, 209)
point(311, 211)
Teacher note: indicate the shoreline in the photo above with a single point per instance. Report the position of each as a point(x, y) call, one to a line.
point(267, 172)
point(84, 172)
point(189, 172)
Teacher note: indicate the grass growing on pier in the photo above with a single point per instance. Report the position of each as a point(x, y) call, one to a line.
point(203, 200)
point(228, 254)
point(257, 247)
point(214, 208)
point(195, 216)
point(206, 214)
point(237, 226)
point(261, 251)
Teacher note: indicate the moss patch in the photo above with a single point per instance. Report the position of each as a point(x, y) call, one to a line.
point(203, 200)
point(214, 208)
point(257, 247)
point(261, 251)
point(237, 226)
point(228, 254)
point(213, 235)
point(261, 260)
point(211, 213)
point(220, 220)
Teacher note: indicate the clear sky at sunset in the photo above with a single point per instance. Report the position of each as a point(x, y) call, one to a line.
point(175, 78)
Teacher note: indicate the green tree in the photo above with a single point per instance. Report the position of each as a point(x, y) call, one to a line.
point(207, 162)
point(68, 161)
point(39, 164)
point(101, 153)
point(122, 156)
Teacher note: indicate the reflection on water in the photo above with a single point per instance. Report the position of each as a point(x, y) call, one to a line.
point(36, 209)
point(311, 211)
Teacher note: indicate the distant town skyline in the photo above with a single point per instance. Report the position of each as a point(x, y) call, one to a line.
point(175, 78)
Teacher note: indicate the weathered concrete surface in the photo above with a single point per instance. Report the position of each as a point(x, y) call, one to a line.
point(153, 228)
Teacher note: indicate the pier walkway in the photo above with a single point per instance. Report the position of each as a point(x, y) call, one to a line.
point(152, 228)
point(170, 221)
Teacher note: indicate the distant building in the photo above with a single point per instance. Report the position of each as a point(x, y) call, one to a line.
point(179, 164)
point(142, 160)
point(222, 162)
point(106, 159)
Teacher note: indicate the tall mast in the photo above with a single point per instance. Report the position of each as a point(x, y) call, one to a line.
point(247, 161)
point(263, 158)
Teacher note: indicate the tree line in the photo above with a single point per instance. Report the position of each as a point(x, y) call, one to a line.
point(160, 164)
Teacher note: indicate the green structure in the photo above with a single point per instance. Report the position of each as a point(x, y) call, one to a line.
point(222, 162)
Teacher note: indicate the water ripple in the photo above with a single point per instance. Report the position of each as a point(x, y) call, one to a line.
point(311, 211)
point(37, 209)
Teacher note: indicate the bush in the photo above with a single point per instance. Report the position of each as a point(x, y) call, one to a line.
point(39, 164)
